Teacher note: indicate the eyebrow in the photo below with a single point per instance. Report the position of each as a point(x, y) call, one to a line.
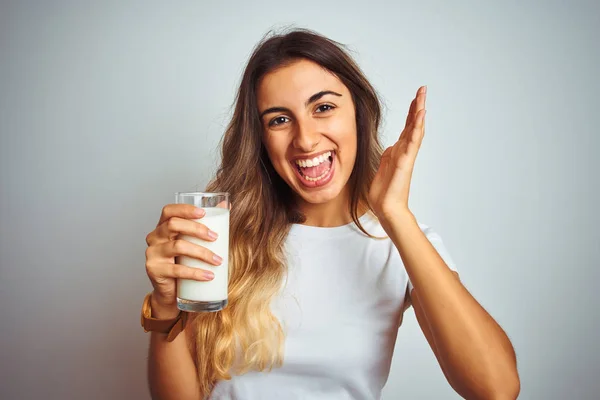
point(311, 99)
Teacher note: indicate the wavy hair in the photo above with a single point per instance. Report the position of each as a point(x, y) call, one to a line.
point(246, 335)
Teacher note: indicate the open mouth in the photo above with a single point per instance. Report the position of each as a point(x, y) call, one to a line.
point(317, 171)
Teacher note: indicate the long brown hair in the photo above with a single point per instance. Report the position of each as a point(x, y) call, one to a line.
point(246, 335)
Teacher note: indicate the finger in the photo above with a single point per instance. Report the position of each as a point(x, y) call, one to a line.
point(416, 105)
point(423, 124)
point(387, 153)
point(419, 104)
point(413, 106)
point(411, 112)
point(418, 131)
point(177, 271)
point(421, 97)
point(187, 211)
point(181, 247)
point(174, 226)
point(387, 159)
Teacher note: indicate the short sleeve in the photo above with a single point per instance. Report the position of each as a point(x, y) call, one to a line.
point(438, 244)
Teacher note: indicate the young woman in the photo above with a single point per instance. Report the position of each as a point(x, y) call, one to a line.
point(325, 253)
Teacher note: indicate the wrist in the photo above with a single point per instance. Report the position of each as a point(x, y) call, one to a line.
point(161, 309)
point(393, 221)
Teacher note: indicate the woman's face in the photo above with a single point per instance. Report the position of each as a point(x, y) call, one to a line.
point(309, 129)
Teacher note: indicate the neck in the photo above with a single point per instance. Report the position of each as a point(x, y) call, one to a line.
point(335, 212)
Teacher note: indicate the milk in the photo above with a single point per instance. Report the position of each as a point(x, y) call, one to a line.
point(217, 220)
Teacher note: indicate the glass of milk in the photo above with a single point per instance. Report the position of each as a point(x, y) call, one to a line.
point(202, 296)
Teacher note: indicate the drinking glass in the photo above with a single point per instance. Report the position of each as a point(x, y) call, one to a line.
point(206, 296)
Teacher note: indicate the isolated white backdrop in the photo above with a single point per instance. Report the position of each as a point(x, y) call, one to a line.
point(107, 108)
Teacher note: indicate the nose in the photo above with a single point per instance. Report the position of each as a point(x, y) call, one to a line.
point(306, 137)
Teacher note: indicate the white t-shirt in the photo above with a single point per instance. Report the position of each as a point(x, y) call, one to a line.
point(340, 307)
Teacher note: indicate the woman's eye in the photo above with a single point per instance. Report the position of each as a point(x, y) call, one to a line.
point(278, 121)
point(324, 107)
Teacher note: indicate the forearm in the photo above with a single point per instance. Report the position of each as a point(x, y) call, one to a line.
point(472, 347)
point(171, 369)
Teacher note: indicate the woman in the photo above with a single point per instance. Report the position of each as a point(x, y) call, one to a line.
point(325, 252)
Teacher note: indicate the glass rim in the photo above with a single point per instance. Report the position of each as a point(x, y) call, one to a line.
point(203, 194)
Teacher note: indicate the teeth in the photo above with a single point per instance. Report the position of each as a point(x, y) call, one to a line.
point(308, 178)
point(315, 161)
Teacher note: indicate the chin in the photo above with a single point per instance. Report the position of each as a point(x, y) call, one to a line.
point(319, 197)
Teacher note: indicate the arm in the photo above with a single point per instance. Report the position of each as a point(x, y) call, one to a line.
point(172, 372)
point(413, 300)
point(473, 351)
point(171, 369)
